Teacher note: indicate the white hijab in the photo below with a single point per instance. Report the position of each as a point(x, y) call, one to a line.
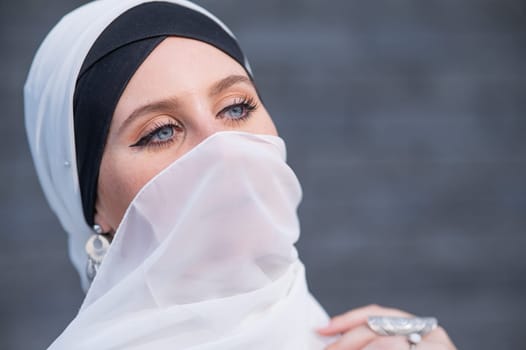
point(48, 104)
point(204, 257)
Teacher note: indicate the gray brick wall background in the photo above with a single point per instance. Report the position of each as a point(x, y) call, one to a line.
point(405, 124)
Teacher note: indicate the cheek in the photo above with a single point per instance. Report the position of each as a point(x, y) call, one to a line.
point(264, 124)
point(120, 179)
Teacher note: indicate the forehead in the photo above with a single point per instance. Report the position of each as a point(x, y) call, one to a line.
point(178, 66)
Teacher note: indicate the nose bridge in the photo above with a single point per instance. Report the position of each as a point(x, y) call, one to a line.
point(205, 124)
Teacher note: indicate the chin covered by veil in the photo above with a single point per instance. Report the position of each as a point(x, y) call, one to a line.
point(204, 257)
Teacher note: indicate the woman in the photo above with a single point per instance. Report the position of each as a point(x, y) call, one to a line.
point(147, 130)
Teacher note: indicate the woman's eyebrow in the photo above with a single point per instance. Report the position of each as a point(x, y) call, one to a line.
point(168, 104)
point(223, 84)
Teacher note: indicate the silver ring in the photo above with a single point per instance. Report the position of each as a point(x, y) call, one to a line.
point(411, 327)
point(388, 325)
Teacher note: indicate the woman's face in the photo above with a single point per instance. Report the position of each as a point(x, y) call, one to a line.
point(185, 91)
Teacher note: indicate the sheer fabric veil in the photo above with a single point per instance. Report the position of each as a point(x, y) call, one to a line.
point(204, 258)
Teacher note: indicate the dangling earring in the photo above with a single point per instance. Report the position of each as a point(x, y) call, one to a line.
point(96, 247)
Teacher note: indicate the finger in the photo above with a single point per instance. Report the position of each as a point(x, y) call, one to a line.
point(390, 343)
point(355, 339)
point(357, 317)
point(401, 343)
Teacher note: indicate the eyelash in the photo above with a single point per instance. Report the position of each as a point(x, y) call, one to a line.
point(248, 103)
point(146, 141)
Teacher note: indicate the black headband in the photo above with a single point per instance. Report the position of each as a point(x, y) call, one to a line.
point(111, 62)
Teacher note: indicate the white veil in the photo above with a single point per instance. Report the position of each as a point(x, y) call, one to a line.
point(204, 259)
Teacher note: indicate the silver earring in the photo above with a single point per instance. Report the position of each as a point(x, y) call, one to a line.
point(96, 247)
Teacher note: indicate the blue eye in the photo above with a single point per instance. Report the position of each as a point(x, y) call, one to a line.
point(161, 135)
point(239, 110)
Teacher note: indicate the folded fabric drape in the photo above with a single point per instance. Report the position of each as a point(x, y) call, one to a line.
point(204, 258)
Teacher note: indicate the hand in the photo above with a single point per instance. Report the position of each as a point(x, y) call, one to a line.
point(356, 335)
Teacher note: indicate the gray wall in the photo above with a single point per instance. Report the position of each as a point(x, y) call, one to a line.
point(405, 124)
